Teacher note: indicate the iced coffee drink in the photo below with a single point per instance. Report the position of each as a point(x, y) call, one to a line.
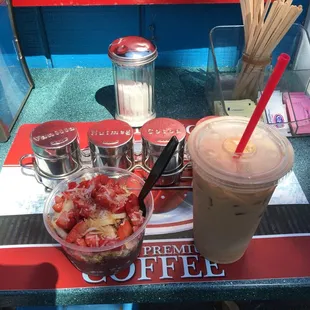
point(230, 193)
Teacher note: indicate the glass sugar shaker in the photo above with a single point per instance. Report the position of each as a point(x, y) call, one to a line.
point(133, 60)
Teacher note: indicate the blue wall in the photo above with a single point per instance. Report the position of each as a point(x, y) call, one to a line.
point(79, 36)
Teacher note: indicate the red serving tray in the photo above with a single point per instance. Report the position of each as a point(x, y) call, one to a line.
point(44, 266)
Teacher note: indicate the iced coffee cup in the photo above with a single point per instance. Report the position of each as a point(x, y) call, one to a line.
point(230, 194)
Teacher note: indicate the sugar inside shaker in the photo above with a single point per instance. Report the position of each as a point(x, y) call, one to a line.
point(156, 134)
point(133, 60)
point(111, 144)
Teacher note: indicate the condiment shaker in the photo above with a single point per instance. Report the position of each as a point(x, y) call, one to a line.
point(133, 60)
point(155, 135)
point(56, 148)
point(56, 152)
point(111, 144)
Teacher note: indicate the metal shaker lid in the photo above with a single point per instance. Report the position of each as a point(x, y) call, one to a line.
point(132, 50)
point(110, 134)
point(54, 138)
point(158, 131)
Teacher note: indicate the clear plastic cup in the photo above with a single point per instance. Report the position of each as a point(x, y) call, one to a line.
point(205, 118)
point(104, 260)
point(230, 194)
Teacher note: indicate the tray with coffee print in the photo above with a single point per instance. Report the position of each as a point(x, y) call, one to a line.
point(168, 264)
point(173, 204)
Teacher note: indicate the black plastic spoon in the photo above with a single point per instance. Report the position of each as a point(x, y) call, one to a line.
point(157, 170)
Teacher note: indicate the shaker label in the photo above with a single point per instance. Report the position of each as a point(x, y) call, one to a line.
point(163, 131)
point(52, 134)
point(111, 133)
point(158, 131)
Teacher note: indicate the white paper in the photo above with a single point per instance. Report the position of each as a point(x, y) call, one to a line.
point(22, 194)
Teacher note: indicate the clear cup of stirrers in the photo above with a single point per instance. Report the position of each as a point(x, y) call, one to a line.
point(265, 24)
point(251, 72)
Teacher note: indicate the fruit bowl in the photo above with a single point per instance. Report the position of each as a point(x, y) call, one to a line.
point(95, 217)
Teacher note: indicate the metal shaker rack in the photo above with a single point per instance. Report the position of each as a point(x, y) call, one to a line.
point(57, 154)
point(183, 174)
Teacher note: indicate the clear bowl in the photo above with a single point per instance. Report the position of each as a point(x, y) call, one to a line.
point(104, 260)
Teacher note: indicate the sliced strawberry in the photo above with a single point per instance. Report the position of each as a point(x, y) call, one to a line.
point(111, 192)
point(58, 207)
point(80, 202)
point(84, 184)
point(92, 240)
point(136, 218)
point(72, 185)
point(84, 206)
point(124, 230)
point(80, 242)
point(118, 189)
point(110, 196)
point(104, 179)
point(132, 204)
point(77, 232)
point(104, 197)
point(116, 209)
point(103, 201)
point(100, 180)
point(67, 195)
point(93, 193)
point(87, 212)
point(59, 199)
point(102, 242)
point(66, 220)
point(111, 183)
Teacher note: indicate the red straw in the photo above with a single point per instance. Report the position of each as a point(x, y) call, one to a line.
point(273, 81)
